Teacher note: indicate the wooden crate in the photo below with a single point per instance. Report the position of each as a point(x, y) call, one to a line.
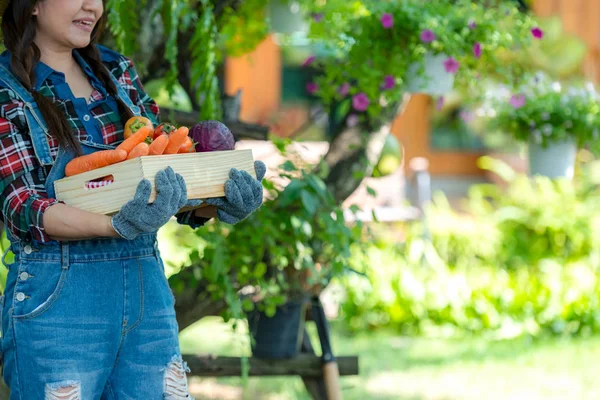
point(204, 173)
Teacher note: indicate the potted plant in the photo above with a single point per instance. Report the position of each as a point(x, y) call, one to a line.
point(267, 266)
point(553, 119)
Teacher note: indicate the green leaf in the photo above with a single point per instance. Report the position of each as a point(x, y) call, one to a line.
point(291, 192)
point(260, 269)
point(288, 166)
point(310, 202)
point(371, 191)
point(358, 175)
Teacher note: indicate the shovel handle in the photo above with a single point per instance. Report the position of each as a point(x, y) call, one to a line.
point(331, 375)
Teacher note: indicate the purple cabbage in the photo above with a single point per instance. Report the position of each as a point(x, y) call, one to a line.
point(211, 136)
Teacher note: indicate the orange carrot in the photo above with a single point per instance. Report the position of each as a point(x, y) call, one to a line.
point(140, 150)
point(176, 139)
point(135, 139)
point(93, 161)
point(158, 145)
point(186, 146)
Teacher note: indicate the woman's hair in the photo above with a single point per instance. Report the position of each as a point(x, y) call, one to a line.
point(19, 29)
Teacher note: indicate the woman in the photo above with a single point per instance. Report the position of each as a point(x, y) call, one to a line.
point(87, 311)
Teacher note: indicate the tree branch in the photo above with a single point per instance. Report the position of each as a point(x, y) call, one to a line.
point(239, 129)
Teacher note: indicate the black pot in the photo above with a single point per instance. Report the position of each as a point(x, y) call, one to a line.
point(279, 336)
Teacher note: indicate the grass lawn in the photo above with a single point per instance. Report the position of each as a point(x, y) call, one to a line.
point(399, 368)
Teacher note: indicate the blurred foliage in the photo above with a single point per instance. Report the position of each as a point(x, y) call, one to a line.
point(294, 244)
point(363, 52)
point(390, 159)
point(215, 28)
point(520, 261)
point(177, 100)
point(559, 55)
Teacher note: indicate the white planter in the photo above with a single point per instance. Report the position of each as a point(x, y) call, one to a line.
point(429, 76)
point(555, 161)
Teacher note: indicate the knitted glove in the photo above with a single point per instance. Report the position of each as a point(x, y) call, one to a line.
point(137, 216)
point(243, 195)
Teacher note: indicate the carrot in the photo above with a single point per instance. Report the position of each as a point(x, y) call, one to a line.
point(140, 150)
point(176, 139)
point(137, 138)
point(186, 146)
point(158, 145)
point(93, 161)
point(134, 124)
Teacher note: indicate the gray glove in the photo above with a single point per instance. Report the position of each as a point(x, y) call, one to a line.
point(137, 216)
point(243, 195)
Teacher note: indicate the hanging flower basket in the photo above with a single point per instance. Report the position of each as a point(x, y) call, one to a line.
point(430, 76)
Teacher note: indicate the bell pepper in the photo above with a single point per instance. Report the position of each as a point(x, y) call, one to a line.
point(134, 124)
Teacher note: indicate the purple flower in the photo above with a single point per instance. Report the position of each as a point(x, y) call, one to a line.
point(466, 116)
point(352, 120)
point(387, 20)
point(517, 101)
point(312, 87)
point(344, 89)
point(440, 103)
point(537, 33)
point(451, 65)
point(389, 82)
point(472, 25)
point(427, 36)
point(317, 17)
point(360, 102)
point(477, 49)
point(309, 61)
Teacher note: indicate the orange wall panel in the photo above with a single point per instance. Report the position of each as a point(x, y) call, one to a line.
point(412, 129)
point(258, 74)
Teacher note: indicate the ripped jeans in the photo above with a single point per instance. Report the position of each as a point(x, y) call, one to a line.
point(91, 320)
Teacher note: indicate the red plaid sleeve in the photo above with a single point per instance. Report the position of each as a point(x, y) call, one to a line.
point(22, 191)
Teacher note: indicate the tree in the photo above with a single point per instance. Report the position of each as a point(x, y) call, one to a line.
point(364, 80)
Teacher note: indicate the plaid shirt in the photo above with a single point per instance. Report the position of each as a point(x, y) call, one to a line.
point(22, 179)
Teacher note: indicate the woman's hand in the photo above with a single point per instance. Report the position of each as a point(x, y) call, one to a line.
point(243, 195)
point(138, 217)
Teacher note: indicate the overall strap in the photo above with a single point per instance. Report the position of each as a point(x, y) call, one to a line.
point(122, 93)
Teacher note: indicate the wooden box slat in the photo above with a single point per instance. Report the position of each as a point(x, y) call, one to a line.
point(204, 173)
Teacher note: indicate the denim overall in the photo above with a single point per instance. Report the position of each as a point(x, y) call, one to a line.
point(90, 319)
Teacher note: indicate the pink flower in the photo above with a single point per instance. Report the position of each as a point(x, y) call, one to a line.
point(387, 20)
point(427, 36)
point(451, 65)
point(517, 101)
point(352, 120)
point(389, 82)
point(472, 25)
point(344, 89)
point(466, 116)
point(312, 87)
point(477, 49)
point(440, 103)
point(317, 17)
point(537, 33)
point(360, 102)
point(309, 61)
